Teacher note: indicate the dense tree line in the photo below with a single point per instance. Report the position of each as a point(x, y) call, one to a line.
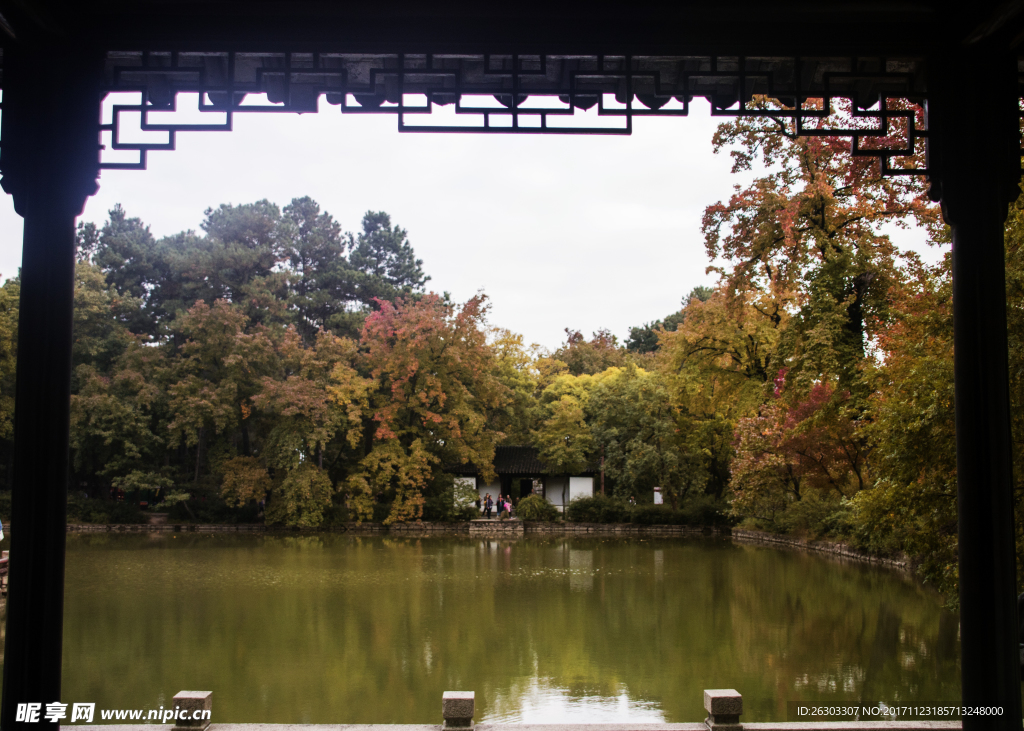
point(273, 362)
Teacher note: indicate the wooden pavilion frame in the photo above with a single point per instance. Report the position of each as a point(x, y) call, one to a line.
point(960, 61)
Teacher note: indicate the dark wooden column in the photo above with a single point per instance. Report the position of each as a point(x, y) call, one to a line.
point(974, 153)
point(50, 163)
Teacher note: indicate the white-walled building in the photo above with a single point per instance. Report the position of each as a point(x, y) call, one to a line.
point(521, 472)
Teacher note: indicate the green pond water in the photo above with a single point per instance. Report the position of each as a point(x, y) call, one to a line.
point(335, 628)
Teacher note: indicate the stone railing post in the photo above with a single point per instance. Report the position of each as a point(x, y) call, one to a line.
point(187, 703)
point(724, 708)
point(457, 707)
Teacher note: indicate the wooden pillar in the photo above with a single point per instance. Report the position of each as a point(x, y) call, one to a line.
point(975, 158)
point(50, 162)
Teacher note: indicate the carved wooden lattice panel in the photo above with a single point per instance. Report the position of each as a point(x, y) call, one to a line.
point(874, 102)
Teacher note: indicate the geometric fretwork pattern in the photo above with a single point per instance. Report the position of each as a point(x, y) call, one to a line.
point(533, 94)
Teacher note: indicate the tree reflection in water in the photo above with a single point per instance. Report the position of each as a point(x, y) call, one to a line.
point(334, 628)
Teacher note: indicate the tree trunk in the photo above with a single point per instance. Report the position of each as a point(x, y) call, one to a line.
point(199, 453)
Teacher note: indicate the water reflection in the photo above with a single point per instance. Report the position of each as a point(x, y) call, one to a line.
point(337, 629)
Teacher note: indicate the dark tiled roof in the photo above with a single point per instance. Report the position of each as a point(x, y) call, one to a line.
point(508, 461)
point(518, 461)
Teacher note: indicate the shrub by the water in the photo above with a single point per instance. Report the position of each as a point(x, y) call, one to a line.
point(337, 514)
point(696, 510)
point(381, 511)
point(597, 509)
point(448, 501)
point(92, 510)
point(534, 507)
point(207, 507)
point(816, 517)
point(657, 515)
point(706, 510)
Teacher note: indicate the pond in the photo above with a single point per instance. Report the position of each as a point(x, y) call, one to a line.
point(336, 628)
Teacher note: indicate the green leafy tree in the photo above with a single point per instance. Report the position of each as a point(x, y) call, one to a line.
point(634, 424)
point(126, 252)
point(10, 294)
point(717, 365)
point(563, 438)
point(564, 441)
point(115, 416)
point(322, 283)
point(516, 369)
point(911, 506)
point(644, 339)
point(383, 254)
point(101, 320)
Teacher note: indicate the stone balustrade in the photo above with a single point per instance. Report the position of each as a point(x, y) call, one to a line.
point(457, 708)
point(724, 708)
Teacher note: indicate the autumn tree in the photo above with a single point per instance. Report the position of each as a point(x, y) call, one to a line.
point(807, 235)
point(213, 377)
point(434, 388)
point(803, 247)
point(911, 506)
point(717, 365)
point(800, 454)
point(9, 299)
point(582, 356)
point(313, 414)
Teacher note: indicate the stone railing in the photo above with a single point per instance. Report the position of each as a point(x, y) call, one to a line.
point(192, 710)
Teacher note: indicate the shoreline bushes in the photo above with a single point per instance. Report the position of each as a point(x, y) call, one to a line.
point(696, 510)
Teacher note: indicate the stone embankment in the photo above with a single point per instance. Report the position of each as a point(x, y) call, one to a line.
point(836, 549)
point(515, 528)
point(624, 529)
point(473, 527)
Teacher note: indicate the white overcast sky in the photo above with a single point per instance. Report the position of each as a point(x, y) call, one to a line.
point(559, 231)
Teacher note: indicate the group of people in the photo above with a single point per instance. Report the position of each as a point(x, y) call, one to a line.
point(503, 504)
